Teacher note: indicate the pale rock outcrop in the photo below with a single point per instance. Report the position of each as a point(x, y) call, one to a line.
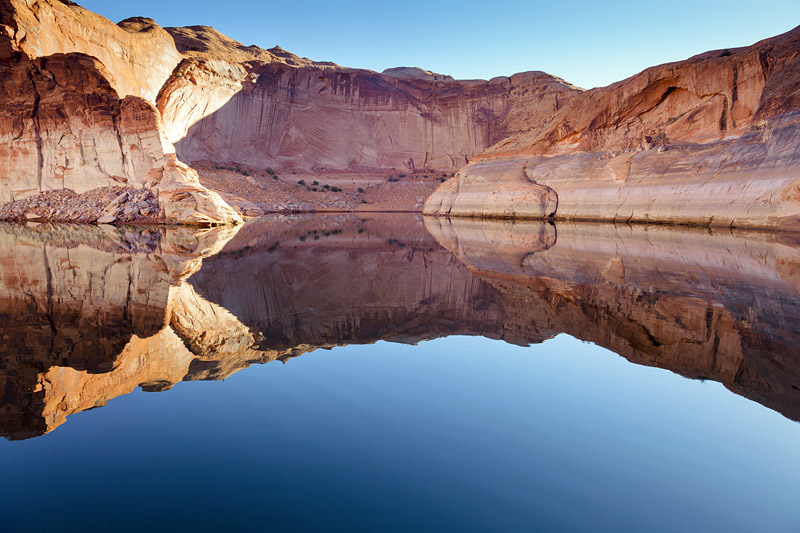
point(710, 140)
point(138, 54)
point(66, 126)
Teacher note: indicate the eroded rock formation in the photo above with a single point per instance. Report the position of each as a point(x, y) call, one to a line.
point(228, 102)
point(79, 121)
point(138, 55)
point(710, 140)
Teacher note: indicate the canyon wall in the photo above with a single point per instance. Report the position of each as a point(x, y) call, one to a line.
point(81, 122)
point(80, 93)
point(711, 140)
point(227, 102)
point(138, 55)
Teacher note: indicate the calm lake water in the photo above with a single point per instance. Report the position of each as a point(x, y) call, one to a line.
point(422, 374)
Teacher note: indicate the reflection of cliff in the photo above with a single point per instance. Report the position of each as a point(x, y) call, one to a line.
point(351, 281)
point(717, 305)
point(285, 288)
point(84, 315)
point(110, 310)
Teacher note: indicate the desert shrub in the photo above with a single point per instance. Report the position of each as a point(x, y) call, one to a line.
point(361, 189)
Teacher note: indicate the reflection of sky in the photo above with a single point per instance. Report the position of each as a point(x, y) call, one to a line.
point(455, 433)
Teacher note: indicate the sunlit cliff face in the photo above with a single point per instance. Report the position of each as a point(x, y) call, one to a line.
point(91, 314)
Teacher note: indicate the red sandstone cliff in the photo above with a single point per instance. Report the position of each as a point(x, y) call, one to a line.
point(77, 93)
point(711, 140)
point(228, 102)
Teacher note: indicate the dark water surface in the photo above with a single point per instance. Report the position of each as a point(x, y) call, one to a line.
point(452, 375)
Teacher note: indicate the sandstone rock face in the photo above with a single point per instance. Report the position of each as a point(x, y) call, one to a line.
point(205, 42)
point(65, 125)
point(68, 129)
point(138, 54)
point(710, 140)
point(228, 102)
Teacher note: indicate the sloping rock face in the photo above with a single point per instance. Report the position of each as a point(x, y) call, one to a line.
point(228, 102)
point(710, 140)
point(138, 54)
point(206, 42)
point(73, 121)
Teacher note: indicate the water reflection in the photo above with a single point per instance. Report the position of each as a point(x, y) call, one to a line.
point(89, 314)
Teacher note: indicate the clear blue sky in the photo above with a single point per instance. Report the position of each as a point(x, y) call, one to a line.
point(587, 43)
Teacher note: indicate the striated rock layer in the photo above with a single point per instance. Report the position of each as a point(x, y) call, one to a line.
point(227, 102)
point(80, 122)
point(711, 140)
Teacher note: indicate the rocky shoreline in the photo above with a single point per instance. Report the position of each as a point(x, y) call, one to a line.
point(105, 205)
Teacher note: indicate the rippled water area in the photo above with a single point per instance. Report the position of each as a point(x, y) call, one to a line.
point(399, 373)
